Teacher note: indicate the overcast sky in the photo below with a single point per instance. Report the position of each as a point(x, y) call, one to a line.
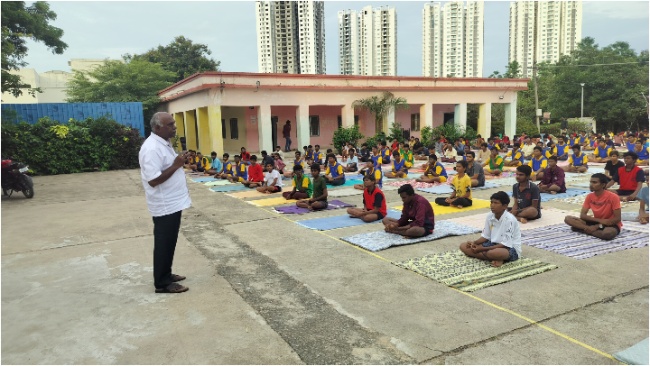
point(111, 29)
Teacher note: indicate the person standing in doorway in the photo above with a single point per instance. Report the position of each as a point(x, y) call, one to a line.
point(167, 196)
point(286, 132)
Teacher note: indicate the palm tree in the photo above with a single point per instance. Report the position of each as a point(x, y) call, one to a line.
point(380, 105)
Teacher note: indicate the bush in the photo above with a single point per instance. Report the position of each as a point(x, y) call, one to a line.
point(376, 139)
point(426, 136)
point(453, 132)
point(551, 129)
point(527, 127)
point(49, 147)
point(345, 135)
point(395, 132)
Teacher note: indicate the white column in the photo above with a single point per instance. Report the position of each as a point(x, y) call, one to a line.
point(511, 118)
point(460, 115)
point(389, 120)
point(347, 116)
point(264, 128)
point(302, 126)
point(485, 120)
point(426, 115)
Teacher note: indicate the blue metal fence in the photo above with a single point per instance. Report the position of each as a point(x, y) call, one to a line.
point(128, 114)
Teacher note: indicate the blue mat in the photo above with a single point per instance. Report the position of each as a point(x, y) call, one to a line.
point(570, 192)
point(348, 183)
point(232, 188)
point(203, 179)
point(635, 355)
point(337, 222)
point(441, 189)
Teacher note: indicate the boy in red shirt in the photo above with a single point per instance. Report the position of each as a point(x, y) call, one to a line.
point(630, 178)
point(255, 174)
point(606, 208)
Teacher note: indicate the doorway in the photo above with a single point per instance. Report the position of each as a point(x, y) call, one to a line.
point(448, 118)
point(274, 131)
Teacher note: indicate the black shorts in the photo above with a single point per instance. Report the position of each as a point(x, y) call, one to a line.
point(380, 216)
point(590, 223)
point(624, 192)
point(275, 189)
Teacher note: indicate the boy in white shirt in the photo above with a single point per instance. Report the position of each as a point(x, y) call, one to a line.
point(501, 238)
point(272, 180)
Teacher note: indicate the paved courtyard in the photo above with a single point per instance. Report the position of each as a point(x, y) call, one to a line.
point(77, 289)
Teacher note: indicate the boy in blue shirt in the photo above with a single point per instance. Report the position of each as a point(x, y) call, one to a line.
point(399, 167)
point(334, 172)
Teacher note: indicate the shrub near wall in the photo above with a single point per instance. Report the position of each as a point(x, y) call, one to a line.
point(50, 147)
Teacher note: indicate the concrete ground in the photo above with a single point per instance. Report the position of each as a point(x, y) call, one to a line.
point(77, 289)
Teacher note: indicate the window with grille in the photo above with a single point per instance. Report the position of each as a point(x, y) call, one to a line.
point(234, 129)
point(314, 126)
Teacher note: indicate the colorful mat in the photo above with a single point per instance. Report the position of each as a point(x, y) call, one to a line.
point(439, 189)
point(461, 272)
point(631, 222)
point(562, 240)
point(295, 210)
point(503, 182)
point(412, 182)
point(502, 175)
point(550, 217)
point(203, 179)
point(443, 210)
point(487, 185)
point(218, 182)
point(273, 201)
point(252, 193)
point(570, 192)
point(380, 240)
point(229, 188)
point(337, 222)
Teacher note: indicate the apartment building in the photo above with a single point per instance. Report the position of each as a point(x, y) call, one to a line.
point(290, 37)
point(543, 31)
point(452, 39)
point(368, 41)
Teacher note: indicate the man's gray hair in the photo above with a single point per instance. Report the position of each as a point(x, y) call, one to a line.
point(155, 120)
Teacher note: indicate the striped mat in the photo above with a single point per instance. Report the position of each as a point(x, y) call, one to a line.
point(550, 217)
point(461, 272)
point(562, 240)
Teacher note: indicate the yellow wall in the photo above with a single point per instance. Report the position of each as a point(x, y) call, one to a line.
point(214, 118)
point(190, 130)
point(180, 128)
point(203, 124)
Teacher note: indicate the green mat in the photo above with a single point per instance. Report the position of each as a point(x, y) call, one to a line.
point(461, 272)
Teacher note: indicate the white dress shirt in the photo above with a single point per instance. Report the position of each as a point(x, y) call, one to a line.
point(503, 231)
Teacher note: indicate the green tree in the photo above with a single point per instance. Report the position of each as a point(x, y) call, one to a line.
point(18, 24)
point(379, 106)
point(182, 57)
point(116, 81)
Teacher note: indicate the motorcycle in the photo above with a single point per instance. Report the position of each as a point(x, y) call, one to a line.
point(14, 178)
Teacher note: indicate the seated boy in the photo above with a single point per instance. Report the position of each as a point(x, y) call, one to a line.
point(216, 166)
point(577, 161)
point(371, 169)
point(553, 179)
point(319, 197)
point(462, 194)
point(417, 218)
point(538, 163)
point(227, 168)
point(255, 174)
point(352, 162)
point(334, 172)
point(434, 172)
point(494, 165)
point(601, 152)
point(374, 202)
point(272, 180)
point(606, 208)
point(501, 238)
point(525, 196)
point(516, 156)
point(240, 173)
point(302, 187)
point(399, 168)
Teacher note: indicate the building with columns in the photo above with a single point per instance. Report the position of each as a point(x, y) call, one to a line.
point(223, 111)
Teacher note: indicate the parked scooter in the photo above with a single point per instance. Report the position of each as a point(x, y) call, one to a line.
point(14, 178)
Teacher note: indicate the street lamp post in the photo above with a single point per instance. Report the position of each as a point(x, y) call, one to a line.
point(582, 100)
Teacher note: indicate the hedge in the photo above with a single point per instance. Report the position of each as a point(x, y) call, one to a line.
point(51, 147)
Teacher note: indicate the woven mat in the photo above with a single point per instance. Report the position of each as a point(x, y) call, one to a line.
point(219, 182)
point(274, 201)
point(570, 192)
point(412, 182)
point(579, 200)
point(562, 240)
point(252, 193)
point(337, 222)
point(229, 188)
point(203, 179)
point(443, 210)
point(502, 175)
point(444, 188)
point(344, 192)
point(380, 240)
point(550, 217)
point(461, 272)
point(295, 210)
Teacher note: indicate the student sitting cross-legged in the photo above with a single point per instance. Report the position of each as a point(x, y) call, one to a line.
point(501, 238)
point(462, 194)
point(374, 202)
point(417, 218)
point(526, 198)
point(319, 196)
point(630, 178)
point(494, 165)
point(553, 179)
point(216, 166)
point(399, 168)
point(255, 174)
point(474, 170)
point(373, 170)
point(606, 208)
point(240, 173)
point(434, 172)
point(302, 187)
point(538, 163)
point(578, 161)
point(226, 171)
point(272, 180)
point(334, 172)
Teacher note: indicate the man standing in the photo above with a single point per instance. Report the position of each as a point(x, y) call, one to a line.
point(286, 132)
point(606, 208)
point(167, 196)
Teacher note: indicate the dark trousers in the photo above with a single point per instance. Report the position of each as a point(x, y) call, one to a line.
point(465, 202)
point(287, 144)
point(165, 235)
